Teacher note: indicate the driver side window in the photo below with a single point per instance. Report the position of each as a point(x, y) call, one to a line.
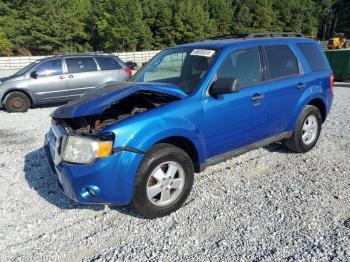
point(50, 68)
point(243, 65)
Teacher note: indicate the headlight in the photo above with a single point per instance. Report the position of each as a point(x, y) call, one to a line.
point(82, 150)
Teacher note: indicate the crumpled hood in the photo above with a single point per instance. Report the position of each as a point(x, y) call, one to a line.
point(99, 99)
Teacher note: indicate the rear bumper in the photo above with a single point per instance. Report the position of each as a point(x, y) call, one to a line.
point(108, 180)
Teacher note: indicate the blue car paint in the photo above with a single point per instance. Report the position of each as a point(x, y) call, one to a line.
point(76, 178)
point(193, 117)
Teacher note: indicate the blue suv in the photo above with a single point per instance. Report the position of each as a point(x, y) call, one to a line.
point(190, 107)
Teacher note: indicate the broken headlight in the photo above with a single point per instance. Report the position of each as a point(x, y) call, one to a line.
point(83, 150)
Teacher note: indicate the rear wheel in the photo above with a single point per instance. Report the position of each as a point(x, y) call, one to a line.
point(16, 102)
point(306, 131)
point(163, 182)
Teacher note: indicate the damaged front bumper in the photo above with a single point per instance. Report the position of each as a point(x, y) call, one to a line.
point(107, 180)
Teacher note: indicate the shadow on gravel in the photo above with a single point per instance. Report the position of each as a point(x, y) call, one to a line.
point(40, 177)
point(277, 147)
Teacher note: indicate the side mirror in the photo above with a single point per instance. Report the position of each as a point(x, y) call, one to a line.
point(34, 74)
point(224, 86)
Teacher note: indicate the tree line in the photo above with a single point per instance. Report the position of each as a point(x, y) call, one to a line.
point(52, 26)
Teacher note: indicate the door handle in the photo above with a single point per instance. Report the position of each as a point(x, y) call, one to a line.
point(70, 76)
point(257, 97)
point(61, 77)
point(301, 85)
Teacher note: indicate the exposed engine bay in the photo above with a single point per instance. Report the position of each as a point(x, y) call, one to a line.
point(129, 106)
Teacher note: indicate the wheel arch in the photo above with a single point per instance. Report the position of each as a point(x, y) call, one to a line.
point(4, 97)
point(320, 104)
point(308, 98)
point(185, 144)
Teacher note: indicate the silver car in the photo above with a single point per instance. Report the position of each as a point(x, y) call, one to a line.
point(59, 79)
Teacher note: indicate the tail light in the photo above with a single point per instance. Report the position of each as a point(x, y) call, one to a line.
point(128, 71)
point(331, 81)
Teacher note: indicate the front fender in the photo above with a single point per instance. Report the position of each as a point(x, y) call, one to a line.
point(314, 92)
point(143, 134)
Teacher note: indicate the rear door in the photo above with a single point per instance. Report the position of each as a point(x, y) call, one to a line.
point(286, 83)
point(82, 75)
point(112, 68)
point(50, 85)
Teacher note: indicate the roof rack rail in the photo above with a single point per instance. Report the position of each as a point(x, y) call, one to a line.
point(256, 35)
point(83, 53)
point(275, 34)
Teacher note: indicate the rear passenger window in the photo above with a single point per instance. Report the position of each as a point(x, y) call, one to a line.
point(107, 63)
point(281, 62)
point(81, 64)
point(244, 65)
point(313, 56)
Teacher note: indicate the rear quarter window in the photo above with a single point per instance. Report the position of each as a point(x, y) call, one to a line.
point(313, 56)
point(281, 62)
point(108, 63)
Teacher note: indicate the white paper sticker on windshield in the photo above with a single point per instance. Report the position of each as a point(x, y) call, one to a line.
point(203, 52)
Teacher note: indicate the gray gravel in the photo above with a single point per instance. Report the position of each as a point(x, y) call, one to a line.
point(266, 205)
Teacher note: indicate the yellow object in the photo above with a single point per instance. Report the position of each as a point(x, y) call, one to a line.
point(104, 149)
point(314, 37)
point(338, 41)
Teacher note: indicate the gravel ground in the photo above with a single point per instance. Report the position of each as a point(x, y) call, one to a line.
point(266, 205)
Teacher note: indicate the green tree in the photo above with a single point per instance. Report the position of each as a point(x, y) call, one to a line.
point(192, 22)
point(159, 16)
point(56, 26)
point(11, 22)
point(296, 16)
point(118, 25)
point(5, 44)
point(221, 12)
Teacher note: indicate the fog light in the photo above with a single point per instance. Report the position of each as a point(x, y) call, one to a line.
point(89, 192)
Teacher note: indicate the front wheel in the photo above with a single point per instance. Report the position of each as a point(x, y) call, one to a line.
point(306, 131)
point(16, 102)
point(163, 182)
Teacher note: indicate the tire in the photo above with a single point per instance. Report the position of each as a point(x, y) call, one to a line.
point(159, 161)
point(310, 116)
point(16, 102)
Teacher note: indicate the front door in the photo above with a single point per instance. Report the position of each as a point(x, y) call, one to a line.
point(235, 120)
point(49, 84)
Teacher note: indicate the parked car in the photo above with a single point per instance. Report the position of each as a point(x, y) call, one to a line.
point(190, 107)
point(59, 78)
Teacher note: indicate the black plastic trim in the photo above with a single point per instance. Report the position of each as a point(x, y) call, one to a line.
point(241, 150)
point(127, 148)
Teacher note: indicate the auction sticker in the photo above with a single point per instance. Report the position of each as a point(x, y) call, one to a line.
point(203, 52)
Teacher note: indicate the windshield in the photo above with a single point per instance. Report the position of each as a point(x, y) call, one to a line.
point(26, 68)
point(184, 67)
